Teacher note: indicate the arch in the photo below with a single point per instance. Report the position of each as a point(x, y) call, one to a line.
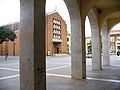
point(92, 15)
point(86, 5)
point(77, 39)
point(107, 23)
point(73, 9)
point(109, 14)
point(96, 40)
point(112, 22)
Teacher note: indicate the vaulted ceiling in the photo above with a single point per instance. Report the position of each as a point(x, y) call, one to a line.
point(114, 5)
point(103, 4)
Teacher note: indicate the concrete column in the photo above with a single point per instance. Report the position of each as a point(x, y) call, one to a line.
point(78, 59)
point(77, 45)
point(32, 45)
point(105, 45)
point(96, 48)
point(78, 51)
point(96, 41)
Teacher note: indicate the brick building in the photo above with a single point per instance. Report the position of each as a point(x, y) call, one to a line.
point(56, 37)
point(56, 34)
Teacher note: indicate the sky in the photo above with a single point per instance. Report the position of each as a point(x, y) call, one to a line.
point(10, 13)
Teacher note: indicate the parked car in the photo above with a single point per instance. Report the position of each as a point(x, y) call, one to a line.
point(118, 52)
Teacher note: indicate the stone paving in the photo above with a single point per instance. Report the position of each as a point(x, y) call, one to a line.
point(58, 75)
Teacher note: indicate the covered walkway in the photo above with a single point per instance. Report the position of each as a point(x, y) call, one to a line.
point(103, 15)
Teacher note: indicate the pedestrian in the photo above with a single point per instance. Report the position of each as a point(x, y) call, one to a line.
point(6, 56)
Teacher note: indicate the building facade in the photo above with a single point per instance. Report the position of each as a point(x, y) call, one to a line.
point(56, 34)
point(56, 37)
point(114, 41)
point(88, 45)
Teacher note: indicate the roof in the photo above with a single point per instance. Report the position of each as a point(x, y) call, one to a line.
point(55, 12)
point(115, 32)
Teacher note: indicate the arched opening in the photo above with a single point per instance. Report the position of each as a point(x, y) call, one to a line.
point(75, 29)
point(88, 37)
point(58, 59)
point(115, 44)
point(88, 43)
point(110, 20)
point(96, 41)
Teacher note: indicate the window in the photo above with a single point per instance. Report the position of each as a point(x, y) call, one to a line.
point(67, 39)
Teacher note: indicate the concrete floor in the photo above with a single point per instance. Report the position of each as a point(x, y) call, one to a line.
point(107, 79)
point(59, 83)
point(58, 75)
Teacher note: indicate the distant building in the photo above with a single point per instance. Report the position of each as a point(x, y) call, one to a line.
point(56, 34)
point(88, 45)
point(56, 37)
point(114, 41)
point(69, 43)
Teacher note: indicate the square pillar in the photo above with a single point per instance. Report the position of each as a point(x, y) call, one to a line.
point(78, 56)
point(96, 41)
point(32, 45)
point(106, 45)
point(96, 47)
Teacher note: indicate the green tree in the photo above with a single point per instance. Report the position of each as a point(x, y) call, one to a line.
point(6, 34)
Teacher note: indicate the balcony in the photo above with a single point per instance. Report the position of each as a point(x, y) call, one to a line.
point(57, 40)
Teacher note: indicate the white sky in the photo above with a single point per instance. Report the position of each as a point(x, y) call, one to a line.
point(87, 28)
point(116, 27)
point(10, 12)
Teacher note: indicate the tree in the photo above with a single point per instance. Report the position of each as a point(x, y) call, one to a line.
point(6, 34)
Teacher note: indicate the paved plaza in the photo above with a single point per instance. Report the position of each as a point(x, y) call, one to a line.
point(58, 74)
